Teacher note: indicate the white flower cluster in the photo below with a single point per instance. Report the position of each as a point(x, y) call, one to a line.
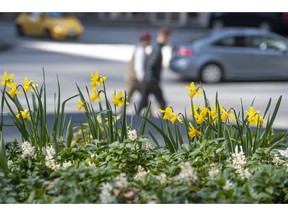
point(67, 164)
point(162, 178)
point(132, 135)
point(228, 185)
point(276, 159)
point(238, 162)
point(187, 175)
point(49, 159)
point(121, 181)
point(9, 163)
point(148, 145)
point(141, 173)
point(27, 149)
point(105, 195)
point(213, 171)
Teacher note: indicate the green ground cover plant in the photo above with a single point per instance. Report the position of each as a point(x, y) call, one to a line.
point(223, 155)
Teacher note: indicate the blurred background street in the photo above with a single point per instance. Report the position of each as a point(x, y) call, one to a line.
point(107, 47)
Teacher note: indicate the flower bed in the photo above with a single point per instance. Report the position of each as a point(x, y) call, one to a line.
point(218, 159)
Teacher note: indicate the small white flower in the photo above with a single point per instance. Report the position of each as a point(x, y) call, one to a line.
point(187, 174)
point(9, 163)
point(27, 149)
point(105, 195)
point(247, 174)
point(121, 181)
point(228, 185)
point(141, 173)
point(66, 164)
point(51, 164)
point(50, 152)
point(132, 135)
point(276, 159)
point(238, 160)
point(162, 178)
point(148, 145)
point(49, 158)
point(286, 153)
point(91, 164)
point(213, 171)
point(93, 155)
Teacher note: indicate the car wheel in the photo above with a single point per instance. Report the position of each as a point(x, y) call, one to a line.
point(211, 73)
point(217, 24)
point(48, 34)
point(20, 31)
point(265, 26)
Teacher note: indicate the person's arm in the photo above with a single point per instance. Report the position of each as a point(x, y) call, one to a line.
point(139, 60)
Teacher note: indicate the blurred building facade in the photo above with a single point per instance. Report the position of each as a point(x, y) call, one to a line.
point(167, 19)
point(157, 19)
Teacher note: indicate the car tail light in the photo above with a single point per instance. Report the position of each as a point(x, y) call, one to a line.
point(184, 52)
point(285, 15)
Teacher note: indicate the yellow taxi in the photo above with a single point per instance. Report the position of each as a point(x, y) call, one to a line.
point(54, 25)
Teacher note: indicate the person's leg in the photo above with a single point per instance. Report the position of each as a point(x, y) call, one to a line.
point(131, 88)
point(145, 95)
point(157, 91)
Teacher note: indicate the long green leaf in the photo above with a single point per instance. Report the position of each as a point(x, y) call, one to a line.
point(168, 142)
point(3, 158)
point(69, 133)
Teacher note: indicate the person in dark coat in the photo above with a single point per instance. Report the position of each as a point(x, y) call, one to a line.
point(153, 68)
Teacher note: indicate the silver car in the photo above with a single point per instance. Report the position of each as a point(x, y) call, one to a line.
point(233, 54)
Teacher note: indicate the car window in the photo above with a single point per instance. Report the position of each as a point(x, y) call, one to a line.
point(57, 14)
point(266, 43)
point(34, 14)
point(235, 41)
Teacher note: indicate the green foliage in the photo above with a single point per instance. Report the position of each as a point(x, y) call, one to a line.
point(224, 156)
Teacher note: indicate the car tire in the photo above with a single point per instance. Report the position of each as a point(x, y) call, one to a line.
point(265, 26)
point(19, 30)
point(217, 24)
point(211, 73)
point(48, 34)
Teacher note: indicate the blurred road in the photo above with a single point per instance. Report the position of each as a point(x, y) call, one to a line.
point(107, 50)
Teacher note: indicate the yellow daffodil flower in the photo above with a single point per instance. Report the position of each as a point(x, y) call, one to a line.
point(81, 105)
point(167, 113)
point(175, 117)
point(25, 114)
point(99, 119)
point(253, 117)
point(203, 110)
point(95, 95)
point(226, 114)
point(213, 112)
point(192, 131)
point(7, 79)
point(199, 118)
point(28, 84)
point(194, 91)
point(13, 90)
point(96, 80)
point(118, 99)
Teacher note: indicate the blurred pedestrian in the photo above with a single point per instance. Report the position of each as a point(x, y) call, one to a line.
point(152, 78)
point(136, 67)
